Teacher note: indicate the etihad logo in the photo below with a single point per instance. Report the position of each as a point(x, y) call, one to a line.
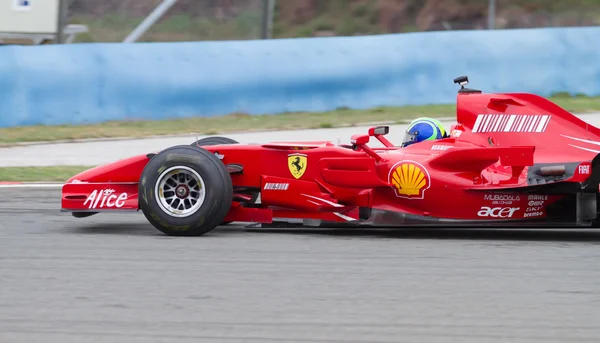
point(409, 179)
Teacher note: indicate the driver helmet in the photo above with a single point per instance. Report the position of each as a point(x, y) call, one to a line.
point(423, 129)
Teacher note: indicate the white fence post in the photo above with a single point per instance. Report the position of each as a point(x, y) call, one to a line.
point(158, 12)
point(491, 14)
point(61, 21)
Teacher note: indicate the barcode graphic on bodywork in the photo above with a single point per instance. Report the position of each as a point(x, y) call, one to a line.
point(511, 123)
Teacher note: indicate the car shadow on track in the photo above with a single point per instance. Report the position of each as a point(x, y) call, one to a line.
point(565, 235)
point(558, 235)
point(128, 229)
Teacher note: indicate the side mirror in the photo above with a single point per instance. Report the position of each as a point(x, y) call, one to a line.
point(379, 131)
point(360, 139)
point(462, 81)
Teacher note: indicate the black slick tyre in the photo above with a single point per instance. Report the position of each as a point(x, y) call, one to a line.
point(214, 140)
point(185, 191)
point(220, 140)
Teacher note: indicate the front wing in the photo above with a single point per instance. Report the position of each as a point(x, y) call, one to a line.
point(81, 197)
point(99, 197)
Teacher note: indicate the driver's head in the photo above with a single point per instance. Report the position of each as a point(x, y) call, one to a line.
point(423, 129)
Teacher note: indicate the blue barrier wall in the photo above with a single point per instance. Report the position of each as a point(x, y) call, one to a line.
point(90, 83)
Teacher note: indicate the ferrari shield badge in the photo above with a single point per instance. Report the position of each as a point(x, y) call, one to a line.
point(409, 179)
point(297, 164)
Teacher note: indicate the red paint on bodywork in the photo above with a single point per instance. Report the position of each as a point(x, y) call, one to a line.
point(497, 138)
point(126, 170)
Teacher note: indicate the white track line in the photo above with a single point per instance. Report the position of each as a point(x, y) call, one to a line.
point(32, 185)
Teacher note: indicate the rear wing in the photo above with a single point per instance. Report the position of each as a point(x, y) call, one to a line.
point(524, 119)
point(514, 112)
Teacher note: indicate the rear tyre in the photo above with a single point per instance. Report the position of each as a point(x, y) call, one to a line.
point(185, 191)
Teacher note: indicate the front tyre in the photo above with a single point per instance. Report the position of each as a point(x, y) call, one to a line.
point(185, 191)
point(220, 140)
point(215, 140)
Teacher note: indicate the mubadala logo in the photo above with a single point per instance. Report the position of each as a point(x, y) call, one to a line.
point(501, 199)
point(497, 212)
point(100, 199)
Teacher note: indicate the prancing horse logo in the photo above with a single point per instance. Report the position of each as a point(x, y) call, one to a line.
point(297, 164)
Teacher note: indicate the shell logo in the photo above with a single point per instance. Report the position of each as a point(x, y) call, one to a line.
point(409, 179)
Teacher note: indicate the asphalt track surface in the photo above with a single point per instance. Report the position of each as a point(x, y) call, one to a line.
point(113, 278)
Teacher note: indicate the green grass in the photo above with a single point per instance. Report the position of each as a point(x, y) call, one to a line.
point(35, 174)
point(245, 122)
point(220, 124)
point(114, 27)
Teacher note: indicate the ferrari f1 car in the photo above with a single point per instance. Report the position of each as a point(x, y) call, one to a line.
point(512, 159)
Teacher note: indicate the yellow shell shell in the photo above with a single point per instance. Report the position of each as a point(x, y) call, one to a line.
point(409, 179)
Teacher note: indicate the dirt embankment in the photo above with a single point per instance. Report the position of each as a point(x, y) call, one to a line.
point(381, 16)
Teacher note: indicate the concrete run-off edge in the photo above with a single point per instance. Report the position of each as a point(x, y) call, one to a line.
point(102, 152)
point(111, 139)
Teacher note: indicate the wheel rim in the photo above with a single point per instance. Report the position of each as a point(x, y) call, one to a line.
point(180, 191)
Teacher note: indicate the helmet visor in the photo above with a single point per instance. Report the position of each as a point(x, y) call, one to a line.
point(410, 137)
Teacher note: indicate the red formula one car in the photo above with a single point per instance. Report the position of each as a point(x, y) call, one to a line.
point(511, 160)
